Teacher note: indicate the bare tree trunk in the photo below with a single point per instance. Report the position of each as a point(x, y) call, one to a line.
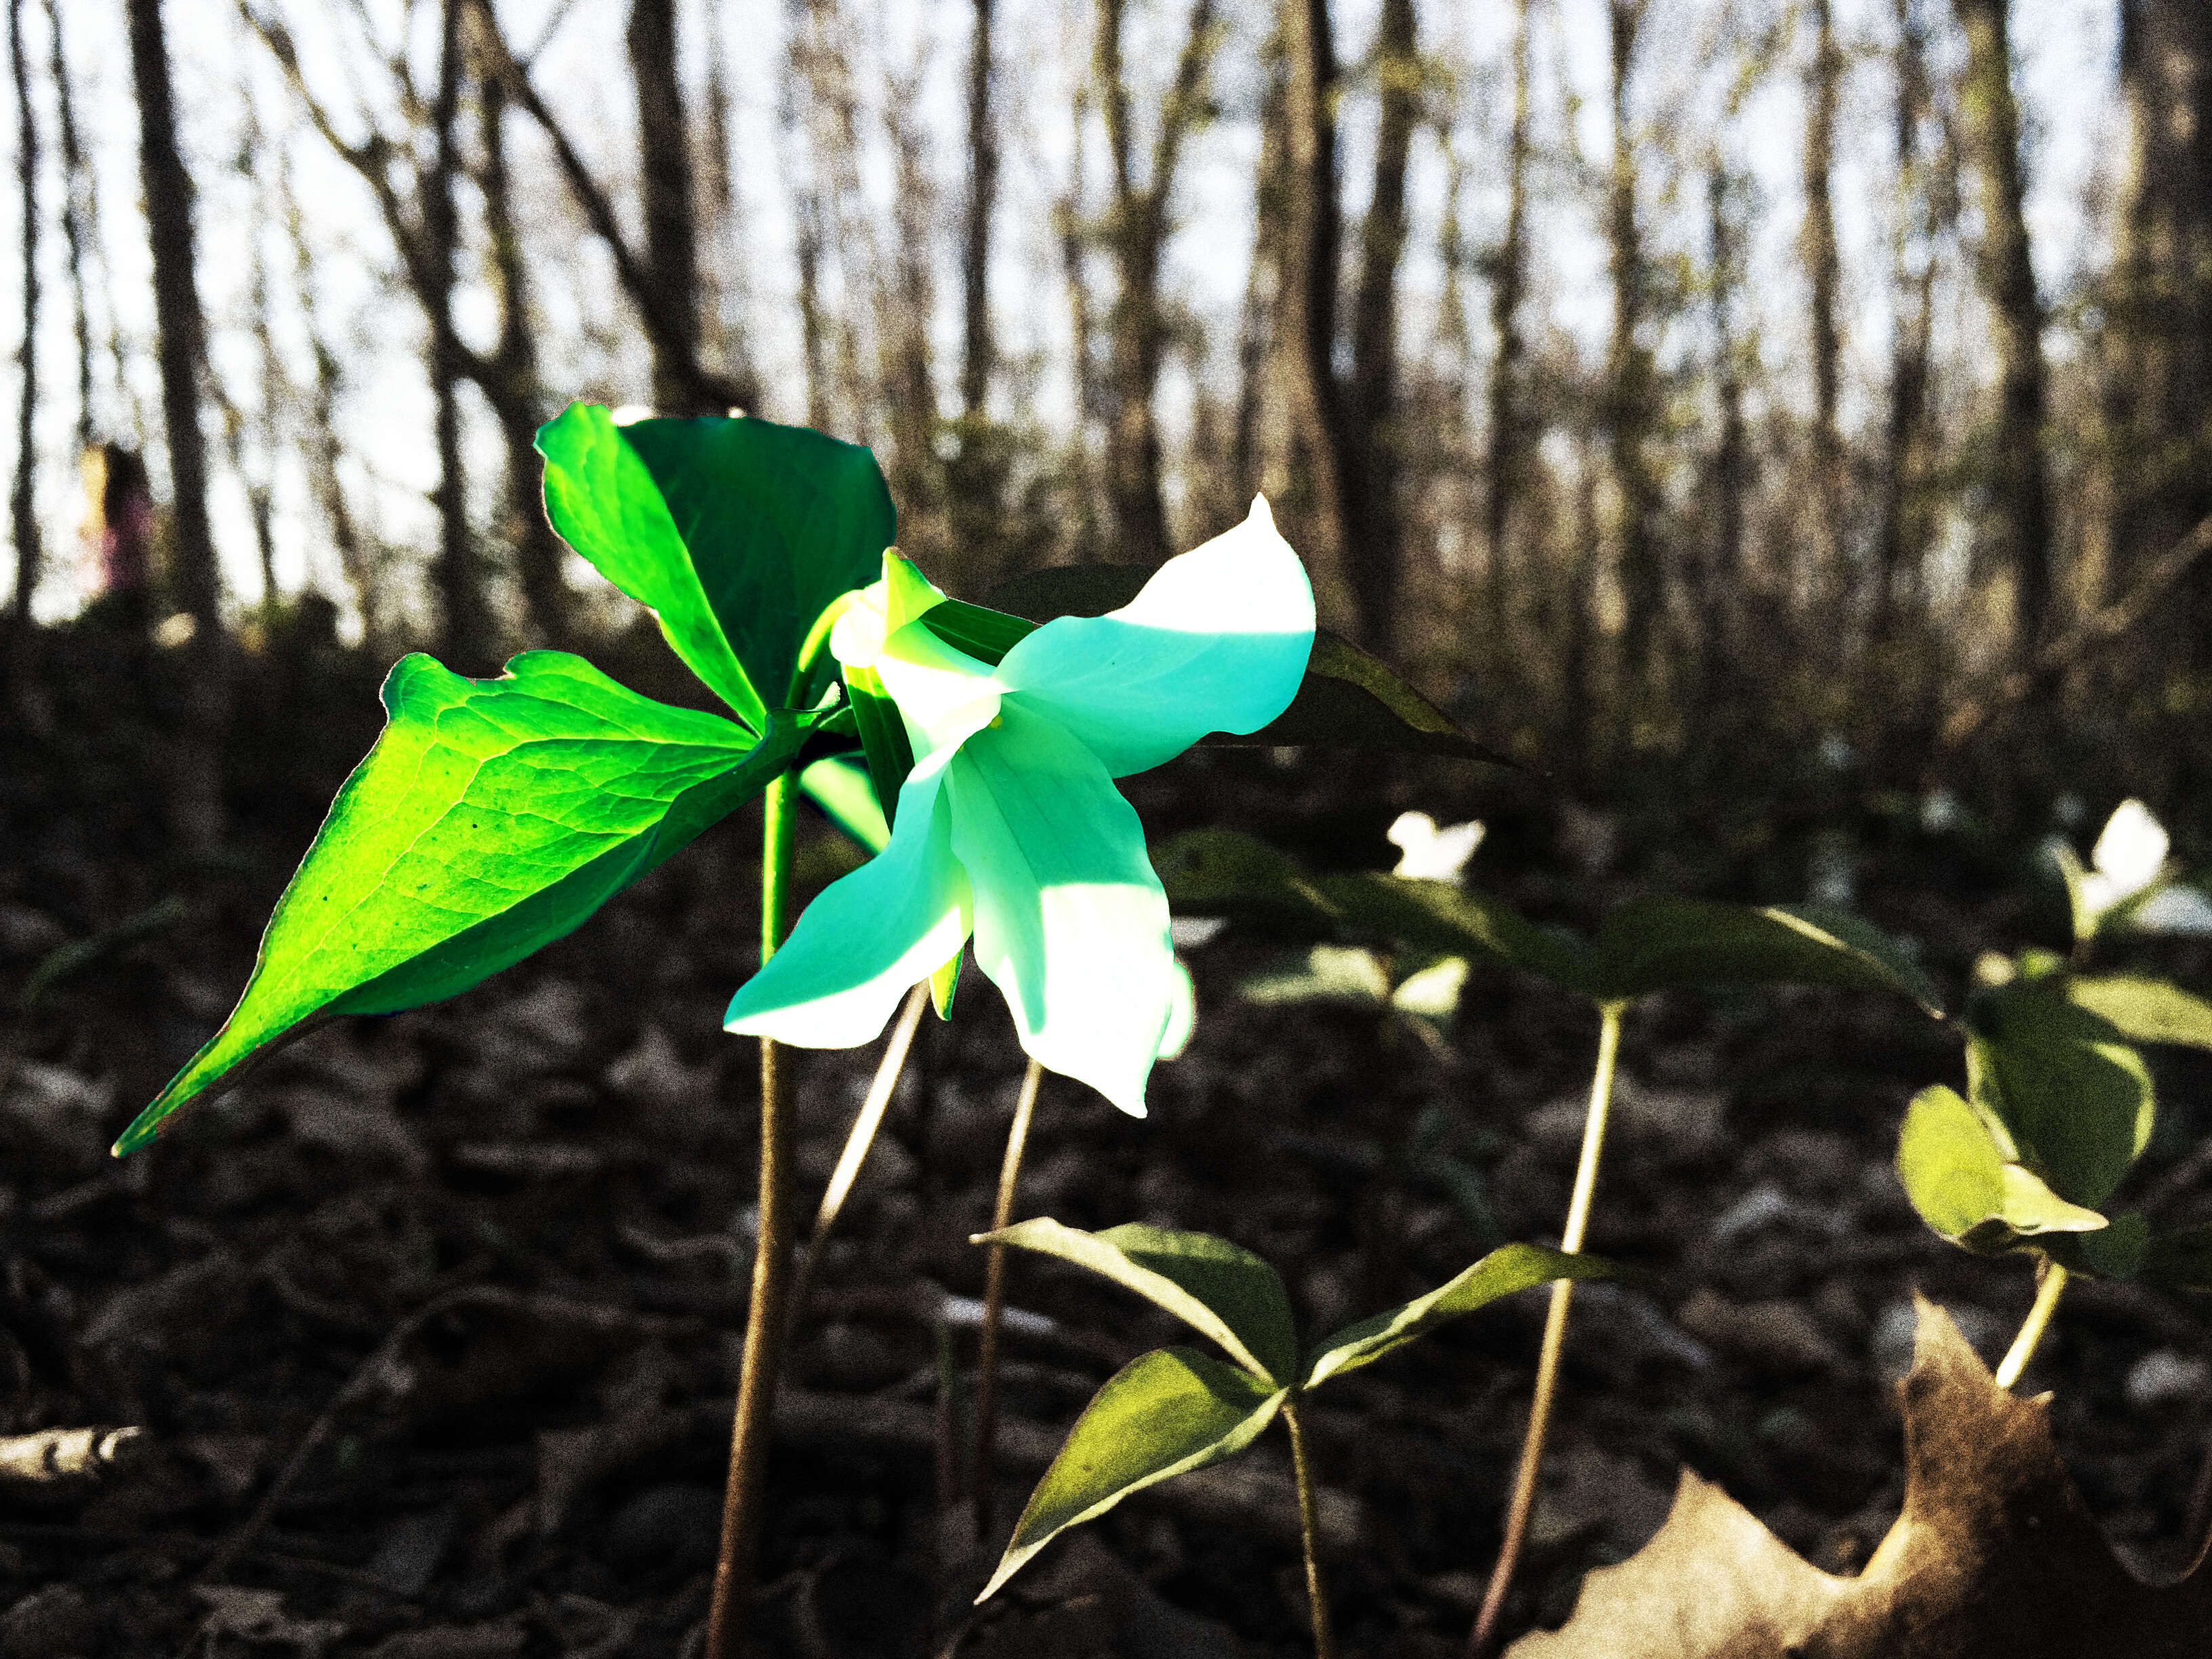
point(1628, 412)
point(519, 404)
point(729, 291)
point(1509, 285)
point(1723, 576)
point(260, 479)
point(976, 353)
point(1342, 505)
point(466, 626)
point(1263, 282)
point(904, 311)
point(1074, 238)
point(671, 229)
point(195, 792)
point(1378, 571)
point(1137, 232)
point(1903, 537)
point(22, 517)
point(2163, 283)
point(2020, 488)
point(326, 450)
point(78, 229)
point(1827, 543)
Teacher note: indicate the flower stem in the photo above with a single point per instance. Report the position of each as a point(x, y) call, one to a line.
point(889, 1070)
point(994, 1300)
point(1523, 1501)
point(2052, 1283)
point(1310, 1531)
point(728, 1614)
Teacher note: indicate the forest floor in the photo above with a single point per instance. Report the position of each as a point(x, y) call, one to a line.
point(433, 1325)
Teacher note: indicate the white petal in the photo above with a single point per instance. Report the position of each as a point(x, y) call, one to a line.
point(1430, 854)
point(1071, 922)
point(2177, 909)
point(1217, 641)
point(867, 936)
point(2132, 851)
point(943, 694)
point(1182, 1016)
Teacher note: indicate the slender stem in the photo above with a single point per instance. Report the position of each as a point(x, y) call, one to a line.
point(1310, 1530)
point(1523, 1501)
point(728, 1614)
point(889, 1070)
point(994, 1300)
point(2051, 1284)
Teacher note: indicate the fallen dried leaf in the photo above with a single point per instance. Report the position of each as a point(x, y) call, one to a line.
point(1995, 1557)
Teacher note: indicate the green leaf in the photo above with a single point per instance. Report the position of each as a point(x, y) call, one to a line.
point(1662, 943)
point(736, 533)
point(1222, 871)
point(1332, 972)
point(1959, 1179)
point(843, 792)
point(2146, 1009)
point(1348, 700)
point(883, 740)
point(1220, 1290)
point(1446, 919)
point(2068, 863)
point(492, 817)
point(1510, 1267)
point(986, 636)
point(2064, 1082)
point(1171, 1412)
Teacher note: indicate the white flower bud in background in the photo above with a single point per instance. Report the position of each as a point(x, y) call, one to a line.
point(1431, 853)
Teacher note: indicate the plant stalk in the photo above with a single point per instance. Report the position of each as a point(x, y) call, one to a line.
point(870, 1119)
point(1310, 1531)
point(1523, 1501)
point(729, 1614)
point(995, 1301)
point(2051, 1284)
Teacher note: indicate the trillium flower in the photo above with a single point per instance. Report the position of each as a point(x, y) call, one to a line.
point(2126, 882)
point(1008, 828)
point(1429, 853)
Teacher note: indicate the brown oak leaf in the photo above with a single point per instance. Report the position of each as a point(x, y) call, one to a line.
point(1995, 1557)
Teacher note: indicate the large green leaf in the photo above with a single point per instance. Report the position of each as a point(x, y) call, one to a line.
point(2146, 1009)
point(1965, 1188)
point(1447, 919)
point(1225, 872)
point(491, 818)
point(1511, 1268)
point(1222, 1291)
point(1171, 1412)
point(1348, 700)
point(2063, 1081)
point(2179, 1261)
point(736, 533)
point(1662, 943)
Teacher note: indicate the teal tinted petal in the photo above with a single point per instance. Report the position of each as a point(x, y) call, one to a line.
point(944, 693)
point(867, 936)
point(1217, 642)
point(1070, 920)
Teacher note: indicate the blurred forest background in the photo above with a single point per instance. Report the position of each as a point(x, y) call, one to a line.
point(1680, 389)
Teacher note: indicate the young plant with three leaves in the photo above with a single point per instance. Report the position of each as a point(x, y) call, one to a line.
point(2061, 1101)
point(1644, 946)
point(494, 816)
point(1176, 1409)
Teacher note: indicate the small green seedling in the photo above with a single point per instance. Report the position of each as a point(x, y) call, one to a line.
point(1177, 1409)
point(1644, 946)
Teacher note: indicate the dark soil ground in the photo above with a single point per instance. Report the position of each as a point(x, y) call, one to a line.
point(432, 1325)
